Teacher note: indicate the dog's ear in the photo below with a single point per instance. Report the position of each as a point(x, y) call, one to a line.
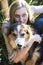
point(10, 29)
point(12, 43)
point(31, 29)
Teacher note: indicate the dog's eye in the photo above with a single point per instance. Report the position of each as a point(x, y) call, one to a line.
point(27, 32)
point(23, 34)
point(14, 34)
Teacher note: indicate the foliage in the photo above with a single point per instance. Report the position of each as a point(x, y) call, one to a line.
point(35, 2)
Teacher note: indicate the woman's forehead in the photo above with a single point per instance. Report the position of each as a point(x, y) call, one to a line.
point(21, 10)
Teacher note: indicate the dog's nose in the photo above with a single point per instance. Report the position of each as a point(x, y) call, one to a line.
point(19, 45)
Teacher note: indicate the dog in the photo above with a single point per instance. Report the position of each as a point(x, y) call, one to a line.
point(19, 37)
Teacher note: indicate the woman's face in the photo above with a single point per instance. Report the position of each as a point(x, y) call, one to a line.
point(21, 15)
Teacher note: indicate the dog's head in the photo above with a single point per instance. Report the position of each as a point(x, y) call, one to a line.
point(21, 34)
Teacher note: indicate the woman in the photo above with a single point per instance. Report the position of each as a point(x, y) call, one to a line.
point(21, 12)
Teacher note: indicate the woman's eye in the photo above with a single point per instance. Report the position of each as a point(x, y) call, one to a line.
point(17, 16)
point(24, 15)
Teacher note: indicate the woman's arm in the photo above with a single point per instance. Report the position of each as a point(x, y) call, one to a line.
point(5, 26)
point(36, 9)
point(33, 9)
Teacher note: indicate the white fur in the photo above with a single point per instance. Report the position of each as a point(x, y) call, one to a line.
point(19, 40)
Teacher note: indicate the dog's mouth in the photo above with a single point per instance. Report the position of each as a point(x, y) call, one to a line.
point(19, 46)
point(20, 42)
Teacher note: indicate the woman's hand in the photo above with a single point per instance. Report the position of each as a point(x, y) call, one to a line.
point(37, 38)
point(34, 38)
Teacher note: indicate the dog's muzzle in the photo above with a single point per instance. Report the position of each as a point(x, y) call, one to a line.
point(20, 42)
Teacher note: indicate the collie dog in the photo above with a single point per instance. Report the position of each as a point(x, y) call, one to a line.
point(21, 36)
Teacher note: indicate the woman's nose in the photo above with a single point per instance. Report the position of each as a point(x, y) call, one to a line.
point(21, 19)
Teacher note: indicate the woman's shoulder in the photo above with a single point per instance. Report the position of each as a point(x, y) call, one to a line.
point(5, 22)
point(5, 26)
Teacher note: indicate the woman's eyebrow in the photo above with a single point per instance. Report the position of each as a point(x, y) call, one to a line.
point(17, 15)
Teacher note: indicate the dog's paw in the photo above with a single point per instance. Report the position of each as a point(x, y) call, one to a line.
point(30, 62)
point(37, 38)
